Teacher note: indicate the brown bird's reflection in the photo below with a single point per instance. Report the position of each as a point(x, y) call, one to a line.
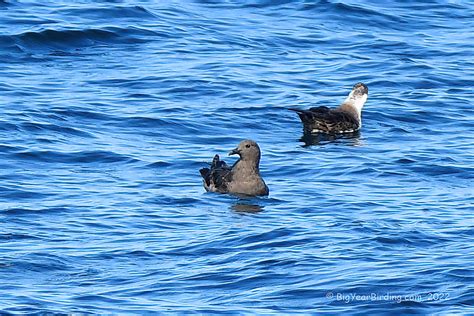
point(352, 139)
point(246, 208)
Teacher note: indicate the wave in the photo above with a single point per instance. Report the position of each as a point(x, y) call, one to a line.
point(115, 12)
point(245, 3)
point(70, 39)
point(34, 211)
point(34, 127)
point(20, 194)
point(96, 156)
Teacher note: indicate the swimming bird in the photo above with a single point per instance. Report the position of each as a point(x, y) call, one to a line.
point(242, 178)
point(346, 118)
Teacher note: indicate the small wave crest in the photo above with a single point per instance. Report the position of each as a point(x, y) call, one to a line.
point(96, 156)
point(70, 39)
point(115, 12)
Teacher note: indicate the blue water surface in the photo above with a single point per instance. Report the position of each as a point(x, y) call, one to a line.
point(109, 109)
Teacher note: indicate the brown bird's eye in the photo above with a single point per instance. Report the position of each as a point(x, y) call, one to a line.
point(248, 146)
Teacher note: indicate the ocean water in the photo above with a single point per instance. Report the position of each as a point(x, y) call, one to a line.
point(110, 108)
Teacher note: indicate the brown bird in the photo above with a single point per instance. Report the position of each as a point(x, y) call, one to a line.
point(346, 118)
point(242, 178)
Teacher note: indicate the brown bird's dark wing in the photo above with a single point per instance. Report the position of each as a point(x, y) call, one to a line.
point(217, 176)
point(325, 120)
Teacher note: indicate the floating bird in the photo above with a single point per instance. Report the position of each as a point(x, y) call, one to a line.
point(242, 178)
point(346, 118)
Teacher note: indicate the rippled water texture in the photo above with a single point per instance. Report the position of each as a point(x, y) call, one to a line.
point(109, 109)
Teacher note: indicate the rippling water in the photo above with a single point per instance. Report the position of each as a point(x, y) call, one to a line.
point(109, 109)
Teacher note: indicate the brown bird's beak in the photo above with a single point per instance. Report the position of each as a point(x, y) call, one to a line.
point(234, 151)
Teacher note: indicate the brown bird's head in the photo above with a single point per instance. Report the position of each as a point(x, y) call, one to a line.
point(248, 150)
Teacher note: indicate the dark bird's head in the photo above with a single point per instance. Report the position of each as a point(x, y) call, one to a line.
point(357, 98)
point(360, 89)
point(247, 150)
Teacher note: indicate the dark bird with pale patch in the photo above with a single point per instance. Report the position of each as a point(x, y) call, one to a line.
point(242, 178)
point(346, 118)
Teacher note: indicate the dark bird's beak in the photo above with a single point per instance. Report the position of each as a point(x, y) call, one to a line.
point(234, 151)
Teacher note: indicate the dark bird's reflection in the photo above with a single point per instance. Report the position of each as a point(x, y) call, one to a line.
point(308, 139)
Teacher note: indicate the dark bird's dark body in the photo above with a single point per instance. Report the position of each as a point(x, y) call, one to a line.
point(346, 118)
point(325, 120)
